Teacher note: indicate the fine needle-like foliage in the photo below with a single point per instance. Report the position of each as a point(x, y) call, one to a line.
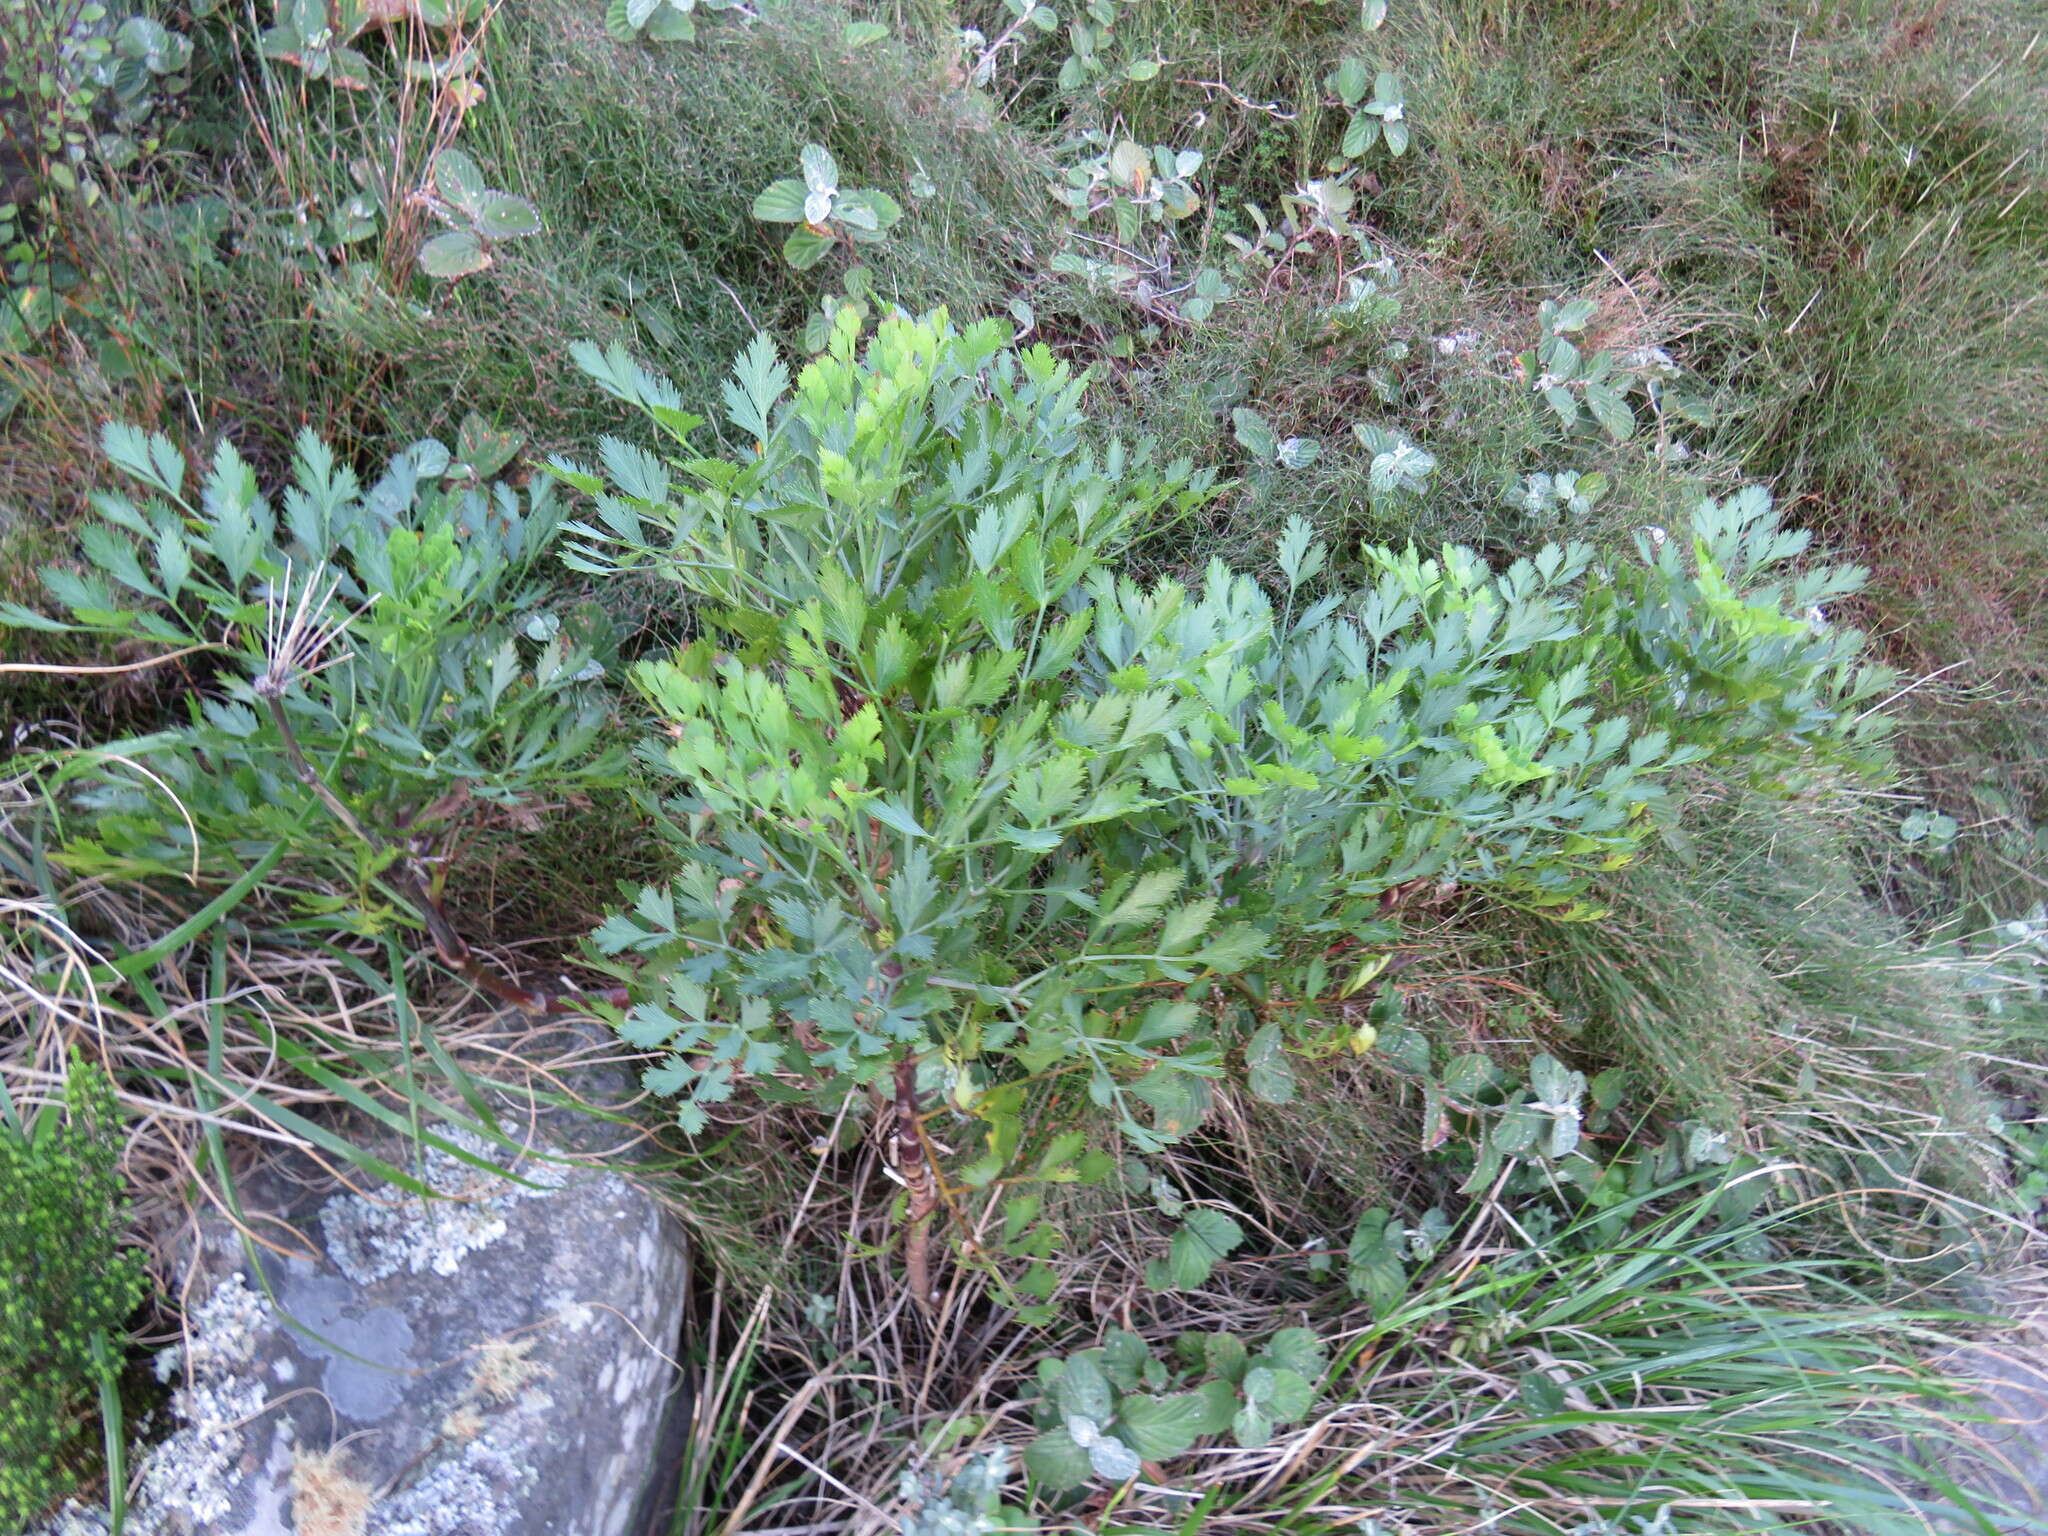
point(68, 1285)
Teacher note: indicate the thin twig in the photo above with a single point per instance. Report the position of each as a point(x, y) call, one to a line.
point(132, 666)
point(294, 645)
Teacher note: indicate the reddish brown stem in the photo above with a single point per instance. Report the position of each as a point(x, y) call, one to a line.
point(404, 872)
point(919, 1182)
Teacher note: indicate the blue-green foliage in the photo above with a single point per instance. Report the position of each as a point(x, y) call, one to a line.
point(416, 657)
point(947, 784)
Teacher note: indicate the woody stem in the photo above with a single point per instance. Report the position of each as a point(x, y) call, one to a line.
point(919, 1183)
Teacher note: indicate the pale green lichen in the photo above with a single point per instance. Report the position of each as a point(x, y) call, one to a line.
point(371, 1240)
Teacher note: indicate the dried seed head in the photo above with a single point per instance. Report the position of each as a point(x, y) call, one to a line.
point(296, 634)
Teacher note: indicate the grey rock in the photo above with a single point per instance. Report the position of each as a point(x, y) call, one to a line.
point(2007, 1462)
point(493, 1364)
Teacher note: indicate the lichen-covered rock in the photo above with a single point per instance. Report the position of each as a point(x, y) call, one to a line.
point(492, 1364)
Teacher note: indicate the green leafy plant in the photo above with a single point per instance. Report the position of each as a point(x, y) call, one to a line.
point(958, 808)
point(2028, 1143)
point(1135, 185)
point(79, 84)
point(1315, 219)
point(68, 1283)
point(1554, 499)
point(1089, 35)
point(856, 803)
point(1026, 18)
point(970, 1503)
point(1136, 280)
point(462, 696)
point(480, 216)
point(1400, 466)
point(1255, 435)
point(1205, 1238)
point(319, 36)
point(829, 215)
point(80, 87)
point(1929, 831)
point(1104, 1412)
point(1140, 189)
point(660, 21)
point(414, 88)
point(1691, 1342)
point(1379, 116)
point(1577, 387)
point(1532, 1139)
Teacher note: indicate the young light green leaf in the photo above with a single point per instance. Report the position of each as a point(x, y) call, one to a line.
point(821, 171)
point(1147, 898)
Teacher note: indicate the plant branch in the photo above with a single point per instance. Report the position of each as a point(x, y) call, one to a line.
point(404, 873)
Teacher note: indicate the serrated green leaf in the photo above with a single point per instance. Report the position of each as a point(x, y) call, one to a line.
point(780, 202)
point(1281, 1394)
point(1296, 1349)
point(1112, 1460)
point(14, 616)
point(459, 180)
point(454, 253)
point(672, 25)
point(1185, 924)
point(1056, 1463)
point(804, 250)
point(1469, 1075)
point(1251, 1427)
point(1233, 949)
point(501, 216)
point(1517, 1129)
point(1083, 1390)
point(1206, 1237)
point(1159, 1427)
point(1540, 1394)
point(1147, 898)
point(1254, 434)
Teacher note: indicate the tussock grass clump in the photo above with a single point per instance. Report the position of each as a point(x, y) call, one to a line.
point(1843, 216)
point(1766, 992)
